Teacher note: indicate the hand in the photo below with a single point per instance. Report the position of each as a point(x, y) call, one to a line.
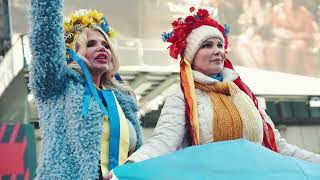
point(108, 176)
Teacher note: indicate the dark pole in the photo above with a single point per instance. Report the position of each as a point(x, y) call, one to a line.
point(23, 53)
point(6, 26)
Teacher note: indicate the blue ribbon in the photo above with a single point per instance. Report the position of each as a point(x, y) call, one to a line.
point(118, 77)
point(114, 124)
point(90, 83)
point(108, 97)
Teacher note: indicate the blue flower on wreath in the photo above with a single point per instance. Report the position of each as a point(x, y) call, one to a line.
point(226, 29)
point(105, 25)
point(166, 36)
point(196, 16)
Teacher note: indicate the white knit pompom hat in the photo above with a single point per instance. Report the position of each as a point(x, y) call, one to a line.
point(197, 37)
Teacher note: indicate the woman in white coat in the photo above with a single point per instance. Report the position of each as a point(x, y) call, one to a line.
point(213, 104)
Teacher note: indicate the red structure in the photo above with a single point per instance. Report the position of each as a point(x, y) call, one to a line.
point(17, 151)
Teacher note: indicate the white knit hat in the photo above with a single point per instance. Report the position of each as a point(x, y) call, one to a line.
point(197, 37)
point(190, 32)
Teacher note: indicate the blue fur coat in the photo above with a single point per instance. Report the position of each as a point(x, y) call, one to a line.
point(70, 144)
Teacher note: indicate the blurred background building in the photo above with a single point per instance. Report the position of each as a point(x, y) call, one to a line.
point(274, 43)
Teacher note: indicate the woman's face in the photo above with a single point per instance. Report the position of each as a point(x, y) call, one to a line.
point(210, 57)
point(98, 53)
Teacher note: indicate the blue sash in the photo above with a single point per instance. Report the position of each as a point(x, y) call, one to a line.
point(111, 111)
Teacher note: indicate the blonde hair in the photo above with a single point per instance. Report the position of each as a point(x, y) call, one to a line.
point(108, 78)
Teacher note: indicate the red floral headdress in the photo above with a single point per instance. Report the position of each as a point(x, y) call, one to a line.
point(183, 27)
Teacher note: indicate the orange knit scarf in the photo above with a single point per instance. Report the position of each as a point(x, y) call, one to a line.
point(227, 123)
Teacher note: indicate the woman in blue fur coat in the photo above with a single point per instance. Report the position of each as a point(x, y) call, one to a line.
point(87, 118)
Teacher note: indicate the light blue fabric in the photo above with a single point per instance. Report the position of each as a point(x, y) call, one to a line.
point(114, 123)
point(132, 137)
point(218, 77)
point(70, 142)
point(227, 160)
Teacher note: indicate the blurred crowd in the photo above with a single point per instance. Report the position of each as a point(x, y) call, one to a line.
point(280, 35)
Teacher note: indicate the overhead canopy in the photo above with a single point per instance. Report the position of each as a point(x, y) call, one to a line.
point(264, 82)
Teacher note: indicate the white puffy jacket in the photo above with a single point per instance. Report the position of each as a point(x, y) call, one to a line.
point(170, 133)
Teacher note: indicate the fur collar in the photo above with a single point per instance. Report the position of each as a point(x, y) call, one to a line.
point(228, 75)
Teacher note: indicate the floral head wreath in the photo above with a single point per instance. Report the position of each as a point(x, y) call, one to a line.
point(182, 27)
point(83, 19)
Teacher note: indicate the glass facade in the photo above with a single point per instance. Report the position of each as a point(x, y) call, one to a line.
point(292, 110)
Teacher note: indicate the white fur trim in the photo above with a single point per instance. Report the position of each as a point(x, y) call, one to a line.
point(228, 75)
